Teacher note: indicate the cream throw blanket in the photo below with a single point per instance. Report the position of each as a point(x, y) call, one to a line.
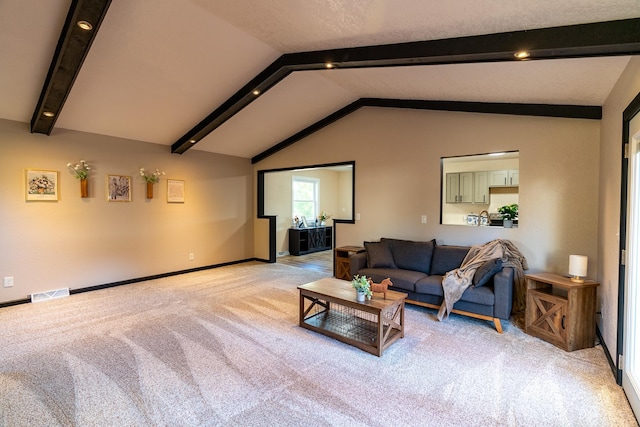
point(455, 282)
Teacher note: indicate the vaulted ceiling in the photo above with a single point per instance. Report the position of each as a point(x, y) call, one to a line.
point(174, 71)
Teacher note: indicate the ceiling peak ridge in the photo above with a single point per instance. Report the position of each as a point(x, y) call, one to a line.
point(620, 37)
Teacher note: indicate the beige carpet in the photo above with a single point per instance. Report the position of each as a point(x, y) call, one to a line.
point(222, 347)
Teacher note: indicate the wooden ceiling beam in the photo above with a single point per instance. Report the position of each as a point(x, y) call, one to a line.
point(72, 48)
point(540, 110)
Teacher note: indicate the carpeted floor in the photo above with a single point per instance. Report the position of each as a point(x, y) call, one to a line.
point(222, 347)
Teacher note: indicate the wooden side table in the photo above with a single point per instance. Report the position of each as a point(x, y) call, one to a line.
point(560, 311)
point(343, 263)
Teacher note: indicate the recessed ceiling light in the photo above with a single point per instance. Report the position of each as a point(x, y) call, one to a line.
point(523, 54)
point(85, 25)
point(256, 92)
point(329, 65)
point(193, 141)
point(48, 114)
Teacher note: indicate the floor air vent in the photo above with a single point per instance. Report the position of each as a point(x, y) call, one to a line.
point(46, 296)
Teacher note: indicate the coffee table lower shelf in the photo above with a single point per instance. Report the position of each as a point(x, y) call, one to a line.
point(371, 326)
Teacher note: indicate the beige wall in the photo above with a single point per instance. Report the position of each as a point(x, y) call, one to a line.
point(79, 242)
point(397, 154)
point(345, 196)
point(625, 91)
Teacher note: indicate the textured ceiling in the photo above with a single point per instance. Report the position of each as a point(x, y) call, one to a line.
point(328, 24)
point(158, 67)
point(582, 81)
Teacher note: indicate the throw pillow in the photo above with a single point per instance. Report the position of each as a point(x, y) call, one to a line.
point(412, 255)
point(446, 258)
point(379, 255)
point(486, 271)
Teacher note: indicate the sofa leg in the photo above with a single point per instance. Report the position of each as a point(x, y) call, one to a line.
point(497, 324)
point(496, 321)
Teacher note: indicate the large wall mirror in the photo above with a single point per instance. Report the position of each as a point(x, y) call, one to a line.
point(475, 187)
point(333, 183)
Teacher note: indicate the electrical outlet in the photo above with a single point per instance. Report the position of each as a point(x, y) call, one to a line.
point(8, 282)
point(357, 217)
point(191, 256)
point(423, 219)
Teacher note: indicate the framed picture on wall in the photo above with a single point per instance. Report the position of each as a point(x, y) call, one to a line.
point(41, 185)
point(175, 191)
point(118, 188)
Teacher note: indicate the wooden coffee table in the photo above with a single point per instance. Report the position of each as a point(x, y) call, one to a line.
point(329, 307)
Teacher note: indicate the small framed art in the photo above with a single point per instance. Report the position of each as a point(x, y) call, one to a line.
point(175, 191)
point(118, 188)
point(41, 185)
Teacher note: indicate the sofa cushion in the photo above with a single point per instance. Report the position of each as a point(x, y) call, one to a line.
point(411, 255)
point(486, 271)
point(401, 279)
point(431, 285)
point(379, 255)
point(482, 295)
point(446, 258)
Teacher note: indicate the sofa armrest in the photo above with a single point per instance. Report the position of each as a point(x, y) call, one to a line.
point(503, 293)
point(358, 262)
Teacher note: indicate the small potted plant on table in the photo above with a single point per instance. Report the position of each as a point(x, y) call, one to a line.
point(509, 213)
point(362, 287)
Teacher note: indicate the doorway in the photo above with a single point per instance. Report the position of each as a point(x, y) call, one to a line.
point(275, 201)
point(631, 330)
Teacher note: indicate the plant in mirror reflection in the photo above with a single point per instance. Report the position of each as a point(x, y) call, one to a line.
point(509, 211)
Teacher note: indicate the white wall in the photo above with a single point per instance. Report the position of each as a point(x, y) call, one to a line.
point(624, 92)
point(77, 242)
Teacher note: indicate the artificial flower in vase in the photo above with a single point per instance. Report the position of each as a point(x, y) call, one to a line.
point(151, 179)
point(323, 217)
point(81, 171)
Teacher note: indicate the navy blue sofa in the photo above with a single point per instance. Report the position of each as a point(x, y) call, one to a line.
point(417, 268)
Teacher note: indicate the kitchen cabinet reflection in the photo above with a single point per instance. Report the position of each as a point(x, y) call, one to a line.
point(474, 187)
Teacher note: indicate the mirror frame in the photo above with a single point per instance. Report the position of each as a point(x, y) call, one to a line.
point(443, 178)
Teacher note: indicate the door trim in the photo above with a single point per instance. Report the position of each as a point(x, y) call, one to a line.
point(629, 113)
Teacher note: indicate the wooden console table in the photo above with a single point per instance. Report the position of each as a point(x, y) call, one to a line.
point(560, 311)
point(307, 240)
